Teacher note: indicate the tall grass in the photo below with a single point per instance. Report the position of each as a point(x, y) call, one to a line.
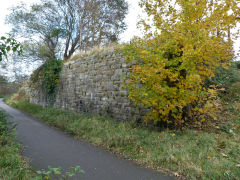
point(190, 153)
point(12, 166)
point(94, 51)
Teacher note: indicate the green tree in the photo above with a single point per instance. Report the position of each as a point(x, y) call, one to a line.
point(7, 45)
point(185, 41)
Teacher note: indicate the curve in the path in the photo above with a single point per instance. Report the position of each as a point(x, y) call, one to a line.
point(46, 146)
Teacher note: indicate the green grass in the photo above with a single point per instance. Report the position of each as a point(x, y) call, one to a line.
point(194, 154)
point(12, 165)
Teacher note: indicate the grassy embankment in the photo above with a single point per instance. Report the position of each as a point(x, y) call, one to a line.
point(212, 153)
point(12, 165)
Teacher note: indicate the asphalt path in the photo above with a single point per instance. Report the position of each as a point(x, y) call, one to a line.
point(46, 146)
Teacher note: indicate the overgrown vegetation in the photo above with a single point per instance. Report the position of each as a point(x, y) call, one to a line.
point(12, 165)
point(211, 153)
point(227, 82)
point(51, 77)
point(47, 77)
point(183, 45)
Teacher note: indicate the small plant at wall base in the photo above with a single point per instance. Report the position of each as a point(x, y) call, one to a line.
point(182, 47)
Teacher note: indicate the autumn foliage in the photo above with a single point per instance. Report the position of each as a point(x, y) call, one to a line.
point(184, 42)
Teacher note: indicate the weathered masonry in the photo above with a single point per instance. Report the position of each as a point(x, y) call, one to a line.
point(94, 84)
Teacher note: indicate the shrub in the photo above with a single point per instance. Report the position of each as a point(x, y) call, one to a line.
point(47, 78)
point(51, 77)
point(181, 48)
point(227, 82)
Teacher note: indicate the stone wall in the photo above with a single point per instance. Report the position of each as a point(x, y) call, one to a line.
point(94, 84)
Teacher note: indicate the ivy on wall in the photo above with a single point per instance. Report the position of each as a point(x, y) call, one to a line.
point(47, 76)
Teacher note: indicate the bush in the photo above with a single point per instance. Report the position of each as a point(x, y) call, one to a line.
point(173, 93)
point(227, 82)
point(182, 47)
point(47, 77)
point(51, 75)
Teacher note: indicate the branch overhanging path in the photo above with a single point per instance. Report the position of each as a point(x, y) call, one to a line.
point(45, 146)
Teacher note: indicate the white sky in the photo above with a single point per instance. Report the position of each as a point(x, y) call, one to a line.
point(131, 20)
point(5, 5)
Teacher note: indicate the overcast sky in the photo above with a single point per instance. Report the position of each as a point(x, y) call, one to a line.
point(5, 5)
point(131, 20)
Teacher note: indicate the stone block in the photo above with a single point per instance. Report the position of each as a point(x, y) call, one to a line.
point(94, 84)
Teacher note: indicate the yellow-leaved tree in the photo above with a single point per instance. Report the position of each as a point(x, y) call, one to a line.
point(184, 42)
